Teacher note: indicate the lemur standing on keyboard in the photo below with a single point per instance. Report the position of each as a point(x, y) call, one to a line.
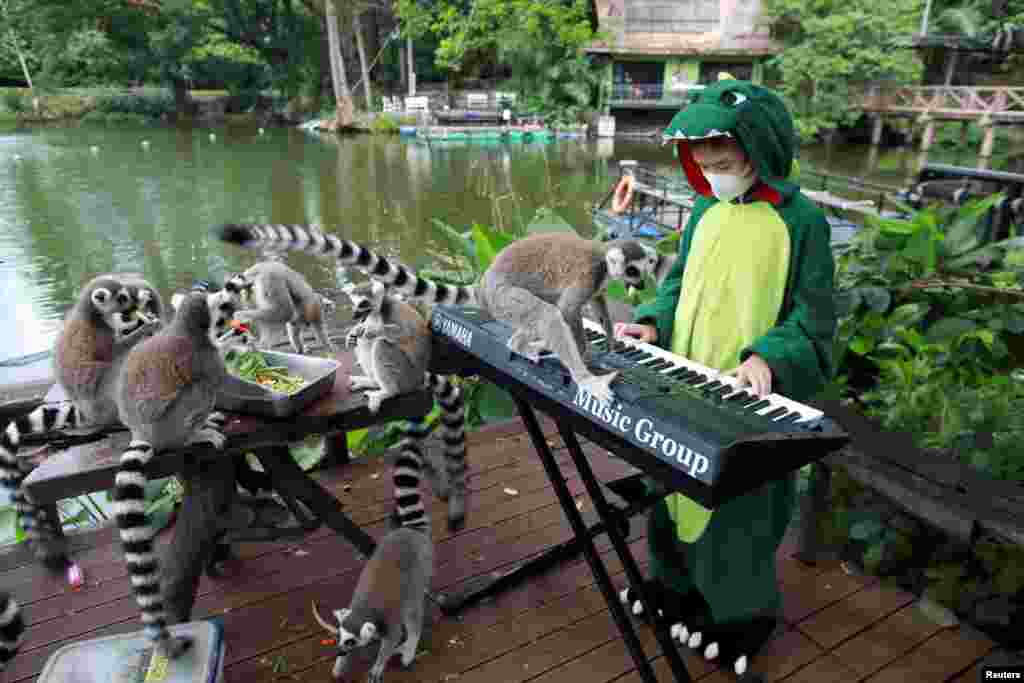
point(750, 294)
point(538, 285)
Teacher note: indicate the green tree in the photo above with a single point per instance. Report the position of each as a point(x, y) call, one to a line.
point(834, 48)
point(21, 39)
point(540, 40)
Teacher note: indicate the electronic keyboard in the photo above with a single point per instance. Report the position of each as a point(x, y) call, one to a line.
point(687, 426)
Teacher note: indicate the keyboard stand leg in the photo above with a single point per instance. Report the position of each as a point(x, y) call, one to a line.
point(579, 529)
point(661, 629)
point(562, 552)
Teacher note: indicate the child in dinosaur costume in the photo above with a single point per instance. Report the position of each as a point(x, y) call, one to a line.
point(751, 294)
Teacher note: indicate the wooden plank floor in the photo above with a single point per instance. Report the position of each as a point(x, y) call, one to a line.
point(556, 627)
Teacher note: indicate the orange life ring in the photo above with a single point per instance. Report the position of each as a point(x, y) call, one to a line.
point(623, 193)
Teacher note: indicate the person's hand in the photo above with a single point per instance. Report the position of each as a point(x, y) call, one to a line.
point(755, 373)
point(644, 333)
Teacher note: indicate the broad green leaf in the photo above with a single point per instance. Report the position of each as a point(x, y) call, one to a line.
point(355, 439)
point(876, 299)
point(862, 345)
point(464, 245)
point(488, 243)
point(865, 529)
point(921, 249)
point(948, 329)
point(495, 403)
point(846, 302)
point(547, 220)
point(908, 315)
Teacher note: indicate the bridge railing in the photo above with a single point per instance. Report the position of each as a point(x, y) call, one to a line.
point(998, 102)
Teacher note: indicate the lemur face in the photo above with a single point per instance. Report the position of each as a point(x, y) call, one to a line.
point(348, 638)
point(366, 298)
point(222, 311)
point(631, 262)
point(238, 287)
point(117, 307)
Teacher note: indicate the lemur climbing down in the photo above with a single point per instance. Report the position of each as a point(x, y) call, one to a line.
point(112, 314)
point(538, 284)
point(389, 600)
point(393, 344)
point(165, 395)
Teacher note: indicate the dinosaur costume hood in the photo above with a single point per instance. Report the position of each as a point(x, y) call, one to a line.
point(756, 117)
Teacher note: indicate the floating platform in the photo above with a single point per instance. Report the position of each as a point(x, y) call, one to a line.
point(482, 133)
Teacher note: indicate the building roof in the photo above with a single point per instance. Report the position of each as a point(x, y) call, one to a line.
point(712, 43)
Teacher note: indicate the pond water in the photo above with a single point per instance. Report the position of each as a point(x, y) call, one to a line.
point(77, 201)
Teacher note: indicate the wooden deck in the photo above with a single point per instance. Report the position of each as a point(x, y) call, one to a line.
point(838, 627)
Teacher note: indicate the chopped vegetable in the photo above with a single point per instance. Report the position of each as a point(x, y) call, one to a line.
point(252, 366)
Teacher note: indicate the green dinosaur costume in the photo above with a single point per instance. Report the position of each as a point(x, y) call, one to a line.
point(754, 275)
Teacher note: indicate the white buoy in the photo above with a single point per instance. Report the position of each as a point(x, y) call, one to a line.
point(212, 137)
point(145, 143)
point(94, 149)
point(261, 131)
point(17, 157)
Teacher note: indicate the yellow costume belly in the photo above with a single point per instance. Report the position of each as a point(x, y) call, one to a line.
point(732, 292)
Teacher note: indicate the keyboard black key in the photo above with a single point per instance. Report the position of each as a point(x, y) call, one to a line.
point(754, 407)
point(778, 412)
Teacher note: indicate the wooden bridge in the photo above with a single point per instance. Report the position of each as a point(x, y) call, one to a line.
point(986, 106)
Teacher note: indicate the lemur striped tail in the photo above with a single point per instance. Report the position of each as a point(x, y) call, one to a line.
point(453, 436)
point(311, 240)
point(406, 476)
point(137, 539)
point(12, 625)
point(41, 531)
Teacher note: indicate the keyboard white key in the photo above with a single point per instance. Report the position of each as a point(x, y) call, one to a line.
point(775, 401)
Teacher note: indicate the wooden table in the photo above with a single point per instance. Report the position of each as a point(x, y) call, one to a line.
point(209, 476)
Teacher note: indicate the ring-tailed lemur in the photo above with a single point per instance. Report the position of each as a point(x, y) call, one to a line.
point(538, 285)
point(283, 302)
point(389, 600)
point(166, 394)
point(393, 345)
point(12, 625)
point(112, 314)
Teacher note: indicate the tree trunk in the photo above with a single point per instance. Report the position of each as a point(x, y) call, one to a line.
point(358, 29)
point(412, 67)
point(182, 101)
point(403, 77)
point(339, 79)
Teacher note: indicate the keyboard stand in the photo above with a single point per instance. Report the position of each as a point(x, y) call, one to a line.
point(585, 537)
point(628, 488)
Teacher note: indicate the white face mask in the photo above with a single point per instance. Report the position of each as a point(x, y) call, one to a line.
point(727, 186)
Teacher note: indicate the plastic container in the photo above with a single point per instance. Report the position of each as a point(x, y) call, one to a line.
point(242, 396)
point(128, 658)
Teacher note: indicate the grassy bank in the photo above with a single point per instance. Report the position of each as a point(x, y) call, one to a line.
point(143, 105)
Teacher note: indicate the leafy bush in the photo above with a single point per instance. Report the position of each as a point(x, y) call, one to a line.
point(15, 102)
point(152, 105)
point(385, 124)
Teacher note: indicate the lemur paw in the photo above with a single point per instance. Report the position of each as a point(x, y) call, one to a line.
point(340, 664)
point(210, 436)
point(358, 382)
point(174, 647)
point(216, 420)
point(599, 387)
point(373, 400)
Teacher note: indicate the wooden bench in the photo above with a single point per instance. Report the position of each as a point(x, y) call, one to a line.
point(209, 478)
